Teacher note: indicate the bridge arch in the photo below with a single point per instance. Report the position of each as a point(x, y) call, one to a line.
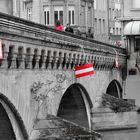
point(114, 89)
point(75, 105)
point(14, 128)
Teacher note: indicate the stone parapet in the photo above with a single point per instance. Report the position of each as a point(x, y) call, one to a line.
point(103, 121)
point(34, 46)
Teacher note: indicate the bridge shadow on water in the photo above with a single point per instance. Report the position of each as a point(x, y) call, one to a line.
point(127, 134)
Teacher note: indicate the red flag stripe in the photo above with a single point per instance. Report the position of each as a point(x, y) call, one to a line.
point(84, 74)
point(88, 65)
point(1, 52)
point(84, 70)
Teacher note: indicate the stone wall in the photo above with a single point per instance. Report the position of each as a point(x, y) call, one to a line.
point(113, 113)
point(117, 105)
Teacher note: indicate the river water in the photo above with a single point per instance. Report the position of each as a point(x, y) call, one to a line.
point(129, 134)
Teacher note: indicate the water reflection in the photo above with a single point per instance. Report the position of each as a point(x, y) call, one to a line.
point(130, 134)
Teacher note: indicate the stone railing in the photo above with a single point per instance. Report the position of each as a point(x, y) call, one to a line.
point(30, 45)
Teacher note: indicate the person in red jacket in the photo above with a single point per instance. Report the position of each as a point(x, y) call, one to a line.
point(58, 26)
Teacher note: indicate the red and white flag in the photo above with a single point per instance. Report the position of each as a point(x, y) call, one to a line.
point(83, 70)
point(1, 52)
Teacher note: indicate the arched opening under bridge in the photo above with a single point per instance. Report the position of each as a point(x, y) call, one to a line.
point(114, 89)
point(75, 106)
point(11, 124)
point(6, 130)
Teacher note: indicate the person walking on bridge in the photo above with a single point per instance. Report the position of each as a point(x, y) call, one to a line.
point(58, 26)
point(69, 28)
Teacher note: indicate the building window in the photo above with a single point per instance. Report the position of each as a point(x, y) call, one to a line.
point(46, 16)
point(29, 13)
point(95, 25)
point(117, 31)
point(137, 44)
point(89, 16)
point(113, 14)
point(100, 26)
point(109, 13)
point(71, 15)
point(95, 5)
point(58, 14)
point(27, 5)
point(82, 15)
point(113, 30)
point(135, 4)
point(120, 30)
point(103, 25)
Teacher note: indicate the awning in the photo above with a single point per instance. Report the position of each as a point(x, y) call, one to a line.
point(132, 28)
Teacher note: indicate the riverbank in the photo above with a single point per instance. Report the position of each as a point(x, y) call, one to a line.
point(125, 134)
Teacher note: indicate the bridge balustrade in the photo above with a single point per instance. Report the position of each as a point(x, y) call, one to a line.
point(30, 45)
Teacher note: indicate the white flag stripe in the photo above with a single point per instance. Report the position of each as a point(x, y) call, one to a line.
point(84, 70)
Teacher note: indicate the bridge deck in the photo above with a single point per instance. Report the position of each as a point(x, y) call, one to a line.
point(55, 44)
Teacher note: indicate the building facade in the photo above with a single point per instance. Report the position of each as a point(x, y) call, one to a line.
point(131, 38)
point(98, 15)
point(107, 27)
point(101, 20)
point(79, 13)
point(114, 12)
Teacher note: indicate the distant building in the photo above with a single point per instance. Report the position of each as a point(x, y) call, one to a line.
point(107, 28)
point(79, 13)
point(6, 6)
point(101, 20)
point(131, 39)
point(114, 11)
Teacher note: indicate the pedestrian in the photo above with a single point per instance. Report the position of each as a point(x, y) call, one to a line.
point(78, 32)
point(69, 28)
point(89, 34)
point(58, 26)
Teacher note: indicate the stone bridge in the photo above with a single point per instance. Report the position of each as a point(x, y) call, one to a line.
point(37, 78)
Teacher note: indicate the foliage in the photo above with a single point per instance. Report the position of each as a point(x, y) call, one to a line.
point(116, 104)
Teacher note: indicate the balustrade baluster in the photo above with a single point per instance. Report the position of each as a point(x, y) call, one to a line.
point(37, 62)
point(22, 62)
point(70, 63)
point(59, 62)
point(43, 65)
point(64, 61)
point(13, 61)
point(55, 60)
point(27, 62)
point(73, 61)
point(50, 59)
point(3, 62)
point(30, 61)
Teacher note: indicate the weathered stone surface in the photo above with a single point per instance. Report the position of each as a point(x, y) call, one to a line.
point(114, 113)
point(117, 105)
point(54, 128)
